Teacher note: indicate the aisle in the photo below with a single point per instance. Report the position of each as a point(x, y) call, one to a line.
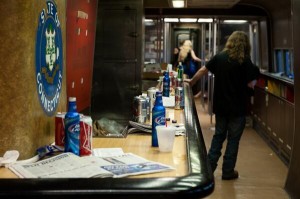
point(262, 173)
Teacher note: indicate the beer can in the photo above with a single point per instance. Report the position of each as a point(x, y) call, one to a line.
point(179, 82)
point(179, 98)
point(60, 129)
point(86, 135)
point(174, 78)
point(139, 109)
point(147, 107)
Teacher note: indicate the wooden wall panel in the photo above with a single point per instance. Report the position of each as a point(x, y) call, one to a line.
point(24, 125)
point(293, 179)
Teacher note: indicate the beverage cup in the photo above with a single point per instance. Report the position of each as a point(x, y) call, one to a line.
point(165, 136)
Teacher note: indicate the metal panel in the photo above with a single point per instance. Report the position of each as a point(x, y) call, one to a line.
point(117, 72)
point(119, 33)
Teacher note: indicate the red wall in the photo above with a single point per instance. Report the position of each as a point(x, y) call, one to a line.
point(80, 50)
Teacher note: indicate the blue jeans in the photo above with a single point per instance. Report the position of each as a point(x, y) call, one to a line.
point(231, 128)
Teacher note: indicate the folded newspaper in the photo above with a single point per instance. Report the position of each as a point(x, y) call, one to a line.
point(135, 127)
point(68, 165)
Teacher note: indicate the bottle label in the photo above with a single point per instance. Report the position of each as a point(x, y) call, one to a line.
point(72, 135)
point(158, 118)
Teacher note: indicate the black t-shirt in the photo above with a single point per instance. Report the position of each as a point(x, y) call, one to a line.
point(230, 84)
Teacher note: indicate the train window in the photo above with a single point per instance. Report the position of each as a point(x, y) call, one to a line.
point(162, 35)
point(226, 27)
point(229, 26)
point(154, 41)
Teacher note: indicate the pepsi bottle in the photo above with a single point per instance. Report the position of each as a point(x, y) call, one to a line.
point(72, 128)
point(166, 85)
point(158, 117)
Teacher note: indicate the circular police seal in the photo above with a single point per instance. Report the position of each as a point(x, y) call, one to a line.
point(49, 58)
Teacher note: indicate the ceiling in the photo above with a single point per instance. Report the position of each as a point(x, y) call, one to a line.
point(191, 3)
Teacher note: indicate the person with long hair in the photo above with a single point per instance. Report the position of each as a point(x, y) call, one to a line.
point(234, 73)
point(188, 58)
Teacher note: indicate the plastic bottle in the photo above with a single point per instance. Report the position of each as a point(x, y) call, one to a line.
point(158, 117)
point(180, 71)
point(72, 128)
point(166, 85)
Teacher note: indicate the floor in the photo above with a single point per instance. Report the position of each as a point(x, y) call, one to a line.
point(262, 173)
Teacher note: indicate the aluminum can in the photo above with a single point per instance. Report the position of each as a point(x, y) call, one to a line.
point(179, 98)
point(86, 135)
point(179, 82)
point(147, 107)
point(139, 109)
point(174, 78)
point(60, 129)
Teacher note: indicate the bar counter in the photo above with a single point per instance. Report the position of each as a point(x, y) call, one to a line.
point(192, 177)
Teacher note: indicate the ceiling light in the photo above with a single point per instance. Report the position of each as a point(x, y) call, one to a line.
point(171, 20)
point(188, 19)
point(178, 3)
point(235, 21)
point(205, 20)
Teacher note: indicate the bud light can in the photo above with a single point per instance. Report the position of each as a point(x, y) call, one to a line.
point(72, 128)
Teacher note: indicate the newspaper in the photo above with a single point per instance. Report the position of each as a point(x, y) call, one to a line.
point(68, 165)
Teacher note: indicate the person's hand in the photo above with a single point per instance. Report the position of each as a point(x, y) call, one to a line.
point(252, 84)
point(189, 81)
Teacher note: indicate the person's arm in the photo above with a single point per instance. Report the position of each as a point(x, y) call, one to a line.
point(195, 57)
point(202, 71)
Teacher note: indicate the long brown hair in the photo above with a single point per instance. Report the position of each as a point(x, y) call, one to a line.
point(238, 46)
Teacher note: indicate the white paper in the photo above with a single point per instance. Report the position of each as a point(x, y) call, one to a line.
point(106, 152)
point(68, 165)
point(9, 157)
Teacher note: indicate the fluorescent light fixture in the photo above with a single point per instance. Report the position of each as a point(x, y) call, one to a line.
point(148, 20)
point(178, 3)
point(188, 20)
point(171, 20)
point(235, 21)
point(205, 20)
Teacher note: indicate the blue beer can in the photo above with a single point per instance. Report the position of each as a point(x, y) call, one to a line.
point(72, 128)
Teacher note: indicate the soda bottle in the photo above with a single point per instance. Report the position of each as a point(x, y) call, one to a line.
point(72, 128)
point(180, 71)
point(166, 85)
point(158, 117)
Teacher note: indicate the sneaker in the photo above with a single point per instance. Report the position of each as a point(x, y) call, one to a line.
point(230, 176)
